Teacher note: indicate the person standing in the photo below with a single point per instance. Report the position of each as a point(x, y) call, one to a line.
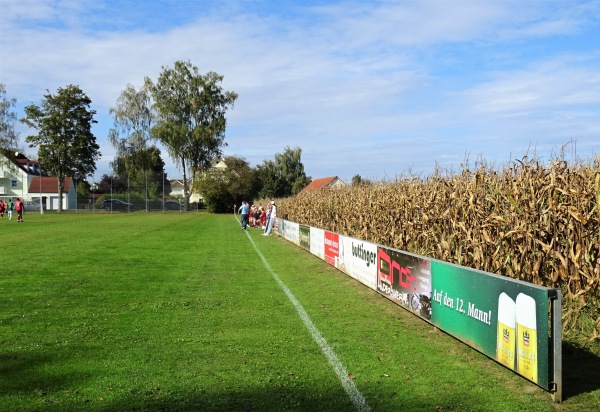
point(244, 210)
point(19, 206)
point(2, 208)
point(9, 208)
point(272, 219)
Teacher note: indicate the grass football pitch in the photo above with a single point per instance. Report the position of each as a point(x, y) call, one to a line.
point(186, 312)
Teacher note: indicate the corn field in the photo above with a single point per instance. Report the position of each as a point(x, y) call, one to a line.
point(537, 223)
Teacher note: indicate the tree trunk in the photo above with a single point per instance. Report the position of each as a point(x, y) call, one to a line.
point(61, 188)
point(186, 196)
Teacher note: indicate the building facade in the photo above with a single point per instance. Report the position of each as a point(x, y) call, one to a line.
point(21, 177)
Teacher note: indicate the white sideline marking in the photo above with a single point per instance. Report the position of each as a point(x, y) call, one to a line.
point(355, 396)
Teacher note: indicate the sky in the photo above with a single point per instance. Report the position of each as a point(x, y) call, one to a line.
point(381, 89)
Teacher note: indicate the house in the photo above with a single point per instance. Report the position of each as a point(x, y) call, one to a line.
point(46, 187)
point(177, 190)
point(24, 178)
point(325, 182)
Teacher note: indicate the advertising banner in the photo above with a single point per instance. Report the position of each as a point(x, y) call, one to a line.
point(405, 279)
point(358, 259)
point(304, 239)
point(516, 323)
point(331, 248)
point(291, 231)
point(317, 242)
point(505, 319)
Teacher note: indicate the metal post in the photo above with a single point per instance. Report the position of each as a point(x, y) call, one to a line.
point(556, 308)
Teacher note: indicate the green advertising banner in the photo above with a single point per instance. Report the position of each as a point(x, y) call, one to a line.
point(304, 239)
point(505, 319)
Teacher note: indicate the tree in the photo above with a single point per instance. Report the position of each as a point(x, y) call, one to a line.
point(133, 118)
point(8, 118)
point(357, 180)
point(153, 178)
point(222, 188)
point(284, 176)
point(66, 145)
point(191, 120)
point(111, 184)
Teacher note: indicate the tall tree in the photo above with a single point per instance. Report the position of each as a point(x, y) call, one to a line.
point(8, 118)
point(133, 119)
point(66, 144)
point(191, 118)
point(283, 176)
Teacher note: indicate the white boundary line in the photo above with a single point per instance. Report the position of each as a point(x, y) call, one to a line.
point(355, 396)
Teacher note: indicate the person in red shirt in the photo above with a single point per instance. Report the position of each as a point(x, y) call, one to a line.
point(19, 207)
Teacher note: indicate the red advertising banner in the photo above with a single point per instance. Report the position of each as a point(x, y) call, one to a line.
point(332, 248)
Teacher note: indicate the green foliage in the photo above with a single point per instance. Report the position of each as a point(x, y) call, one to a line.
point(283, 176)
point(112, 184)
point(222, 188)
point(357, 180)
point(8, 118)
point(133, 119)
point(82, 188)
point(151, 180)
point(191, 121)
point(66, 145)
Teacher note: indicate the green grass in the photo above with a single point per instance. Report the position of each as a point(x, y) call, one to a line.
point(177, 312)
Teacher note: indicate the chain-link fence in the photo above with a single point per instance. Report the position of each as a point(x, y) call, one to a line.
point(145, 196)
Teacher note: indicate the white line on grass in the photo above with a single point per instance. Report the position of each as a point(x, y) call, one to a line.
point(355, 396)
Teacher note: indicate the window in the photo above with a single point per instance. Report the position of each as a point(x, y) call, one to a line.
point(14, 183)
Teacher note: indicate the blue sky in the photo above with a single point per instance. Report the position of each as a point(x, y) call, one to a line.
point(382, 89)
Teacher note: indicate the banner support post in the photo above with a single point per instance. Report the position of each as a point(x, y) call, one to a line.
point(556, 308)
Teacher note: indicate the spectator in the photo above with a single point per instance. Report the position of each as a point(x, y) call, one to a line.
point(244, 209)
point(272, 219)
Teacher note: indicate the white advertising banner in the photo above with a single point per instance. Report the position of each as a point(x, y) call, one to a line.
point(291, 231)
point(317, 242)
point(358, 259)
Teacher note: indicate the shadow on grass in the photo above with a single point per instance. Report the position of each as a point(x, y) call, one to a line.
point(258, 399)
point(28, 375)
point(581, 371)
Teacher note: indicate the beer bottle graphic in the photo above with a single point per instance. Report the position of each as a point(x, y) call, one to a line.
point(527, 354)
point(505, 341)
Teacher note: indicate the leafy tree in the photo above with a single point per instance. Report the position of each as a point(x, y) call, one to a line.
point(153, 178)
point(357, 180)
point(191, 118)
point(112, 184)
point(284, 176)
point(8, 118)
point(133, 119)
point(272, 185)
point(222, 188)
point(66, 145)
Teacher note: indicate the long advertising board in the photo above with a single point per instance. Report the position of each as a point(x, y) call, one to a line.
point(515, 323)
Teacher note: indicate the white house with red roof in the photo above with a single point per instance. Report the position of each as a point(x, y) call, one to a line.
point(21, 177)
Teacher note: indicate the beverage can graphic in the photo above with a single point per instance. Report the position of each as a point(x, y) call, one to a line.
point(527, 351)
point(505, 341)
